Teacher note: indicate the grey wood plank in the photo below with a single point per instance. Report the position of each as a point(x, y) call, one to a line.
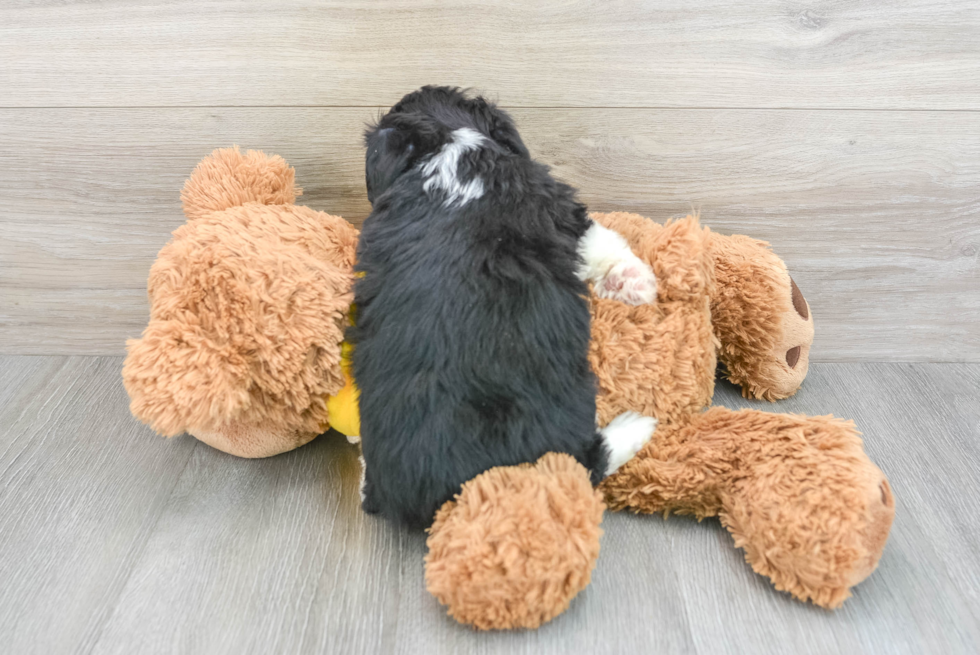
point(914, 54)
point(82, 485)
point(263, 556)
point(16, 372)
point(274, 555)
point(875, 212)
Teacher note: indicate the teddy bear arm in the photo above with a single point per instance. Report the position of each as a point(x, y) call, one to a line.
point(760, 317)
point(676, 251)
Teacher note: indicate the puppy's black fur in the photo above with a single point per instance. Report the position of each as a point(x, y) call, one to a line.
point(472, 327)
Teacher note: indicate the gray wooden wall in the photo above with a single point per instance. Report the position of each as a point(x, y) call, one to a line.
point(845, 133)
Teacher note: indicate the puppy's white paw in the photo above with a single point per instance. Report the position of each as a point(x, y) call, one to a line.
point(615, 270)
point(625, 436)
point(630, 281)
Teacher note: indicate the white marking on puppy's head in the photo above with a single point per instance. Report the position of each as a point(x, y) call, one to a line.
point(442, 174)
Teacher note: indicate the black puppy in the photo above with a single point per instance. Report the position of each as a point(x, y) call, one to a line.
point(472, 318)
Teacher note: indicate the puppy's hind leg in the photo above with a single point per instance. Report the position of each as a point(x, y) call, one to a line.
point(614, 270)
point(624, 437)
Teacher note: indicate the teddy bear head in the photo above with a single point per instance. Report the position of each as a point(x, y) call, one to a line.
point(248, 305)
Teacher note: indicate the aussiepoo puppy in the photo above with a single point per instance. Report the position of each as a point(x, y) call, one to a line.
point(472, 321)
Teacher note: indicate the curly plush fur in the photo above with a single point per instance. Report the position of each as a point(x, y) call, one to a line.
point(517, 545)
point(762, 319)
point(248, 304)
point(658, 360)
point(798, 493)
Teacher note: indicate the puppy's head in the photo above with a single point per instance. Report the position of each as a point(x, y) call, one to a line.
point(421, 123)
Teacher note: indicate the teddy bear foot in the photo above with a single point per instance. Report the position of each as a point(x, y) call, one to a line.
point(760, 317)
point(516, 545)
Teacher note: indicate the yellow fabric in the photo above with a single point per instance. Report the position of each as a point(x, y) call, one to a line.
point(342, 408)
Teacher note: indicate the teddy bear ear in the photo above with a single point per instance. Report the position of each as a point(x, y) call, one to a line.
point(229, 178)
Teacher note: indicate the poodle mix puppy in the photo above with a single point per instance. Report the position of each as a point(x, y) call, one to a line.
point(472, 321)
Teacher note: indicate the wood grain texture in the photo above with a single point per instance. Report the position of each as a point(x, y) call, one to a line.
point(876, 213)
point(717, 53)
point(82, 486)
point(116, 541)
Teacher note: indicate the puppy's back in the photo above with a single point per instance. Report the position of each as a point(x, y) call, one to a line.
point(472, 335)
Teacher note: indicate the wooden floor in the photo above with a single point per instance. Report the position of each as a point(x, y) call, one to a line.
point(113, 540)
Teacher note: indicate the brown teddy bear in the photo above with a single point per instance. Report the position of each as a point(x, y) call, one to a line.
point(244, 351)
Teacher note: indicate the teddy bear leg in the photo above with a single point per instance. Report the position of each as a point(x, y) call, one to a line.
point(676, 472)
point(813, 512)
point(798, 494)
point(243, 440)
point(760, 317)
point(516, 545)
